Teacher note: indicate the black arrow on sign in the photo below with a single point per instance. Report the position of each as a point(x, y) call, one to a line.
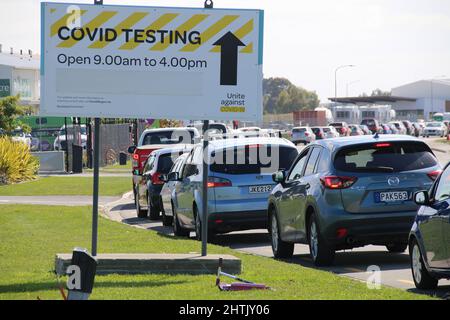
point(229, 44)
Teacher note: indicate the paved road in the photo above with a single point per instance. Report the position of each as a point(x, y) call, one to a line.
point(395, 271)
point(55, 200)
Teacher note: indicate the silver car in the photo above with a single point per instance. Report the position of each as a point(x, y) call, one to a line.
point(303, 135)
point(435, 129)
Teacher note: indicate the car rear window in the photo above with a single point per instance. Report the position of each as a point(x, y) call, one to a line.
point(337, 124)
point(368, 122)
point(169, 137)
point(299, 130)
point(248, 159)
point(385, 157)
point(165, 162)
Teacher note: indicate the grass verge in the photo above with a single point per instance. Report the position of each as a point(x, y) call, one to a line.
point(31, 235)
point(46, 186)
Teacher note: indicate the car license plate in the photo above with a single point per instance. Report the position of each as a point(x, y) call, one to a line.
point(260, 189)
point(393, 196)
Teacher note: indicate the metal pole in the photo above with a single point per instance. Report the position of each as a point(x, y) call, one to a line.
point(95, 191)
point(67, 145)
point(96, 176)
point(208, 5)
point(205, 189)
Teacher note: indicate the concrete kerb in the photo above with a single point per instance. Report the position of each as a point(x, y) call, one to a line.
point(190, 263)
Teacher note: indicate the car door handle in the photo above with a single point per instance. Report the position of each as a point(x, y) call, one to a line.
point(307, 186)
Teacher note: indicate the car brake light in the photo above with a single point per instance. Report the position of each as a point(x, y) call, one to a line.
point(433, 175)
point(382, 145)
point(306, 134)
point(214, 182)
point(155, 178)
point(135, 156)
point(334, 182)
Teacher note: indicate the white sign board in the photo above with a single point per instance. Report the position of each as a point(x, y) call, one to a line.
point(151, 62)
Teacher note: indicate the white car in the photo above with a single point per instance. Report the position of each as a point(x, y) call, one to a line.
point(435, 129)
point(330, 132)
point(303, 135)
point(61, 138)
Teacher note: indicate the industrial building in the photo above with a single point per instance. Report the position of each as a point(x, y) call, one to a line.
point(19, 75)
point(412, 101)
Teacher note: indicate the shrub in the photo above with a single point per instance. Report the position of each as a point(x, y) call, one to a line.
point(16, 162)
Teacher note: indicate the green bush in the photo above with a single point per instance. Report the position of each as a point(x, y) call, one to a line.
point(16, 162)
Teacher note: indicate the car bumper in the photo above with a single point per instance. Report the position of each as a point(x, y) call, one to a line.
point(365, 229)
point(222, 222)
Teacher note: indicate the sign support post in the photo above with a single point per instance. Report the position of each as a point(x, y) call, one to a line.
point(96, 177)
point(208, 5)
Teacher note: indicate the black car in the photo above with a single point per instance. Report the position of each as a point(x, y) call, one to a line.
point(429, 241)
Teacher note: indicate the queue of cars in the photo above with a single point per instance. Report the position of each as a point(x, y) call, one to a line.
point(336, 194)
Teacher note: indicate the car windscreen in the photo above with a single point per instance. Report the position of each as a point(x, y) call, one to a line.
point(385, 157)
point(253, 159)
point(368, 122)
point(434, 125)
point(299, 130)
point(165, 162)
point(338, 124)
point(169, 137)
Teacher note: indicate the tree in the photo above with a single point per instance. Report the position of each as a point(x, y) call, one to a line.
point(281, 96)
point(378, 93)
point(9, 112)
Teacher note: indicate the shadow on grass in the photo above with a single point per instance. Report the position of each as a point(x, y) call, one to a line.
point(50, 285)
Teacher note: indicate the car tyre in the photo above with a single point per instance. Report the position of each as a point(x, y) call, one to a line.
point(153, 210)
point(198, 227)
point(321, 253)
point(178, 230)
point(281, 249)
point(140, 213)
point(422, 279)
point(166, 220)
point(396, 247)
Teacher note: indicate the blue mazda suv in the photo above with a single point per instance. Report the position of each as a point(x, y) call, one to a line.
point(350, 192)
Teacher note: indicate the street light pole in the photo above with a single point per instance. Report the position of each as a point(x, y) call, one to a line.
point(335, 79)
point(432, 91)
point(349, 84)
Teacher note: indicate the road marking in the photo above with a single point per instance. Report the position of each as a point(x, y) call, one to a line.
point(406, 281)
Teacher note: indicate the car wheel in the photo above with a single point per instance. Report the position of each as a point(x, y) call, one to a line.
point(198, 227)
point(153, 210)
point(422, 279)
point(280, 248)
point(178, 230)
point(140, 213)
point(166, 220)
point(321, 253)
point(396, 247)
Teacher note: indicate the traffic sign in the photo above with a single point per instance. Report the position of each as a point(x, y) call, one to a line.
point(151, 62)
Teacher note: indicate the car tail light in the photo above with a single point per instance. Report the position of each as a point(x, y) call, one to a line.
point(215, 182)
point(306, 134)
point(342, 130)
point(155, 178)
point(334, 182)
point(433, 175)
point(135, 156)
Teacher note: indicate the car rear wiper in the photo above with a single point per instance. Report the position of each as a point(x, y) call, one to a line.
point(374, 169)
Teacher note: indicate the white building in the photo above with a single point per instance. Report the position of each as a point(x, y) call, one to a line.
point(431, 96)
point(19, 75)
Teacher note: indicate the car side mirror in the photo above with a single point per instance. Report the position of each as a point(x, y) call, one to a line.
point(131, 149)
point(422, 198)
point(278, 177)
point(173, 176)
point(163, 178)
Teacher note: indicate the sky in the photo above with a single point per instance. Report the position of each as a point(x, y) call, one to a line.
point(390, 42)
